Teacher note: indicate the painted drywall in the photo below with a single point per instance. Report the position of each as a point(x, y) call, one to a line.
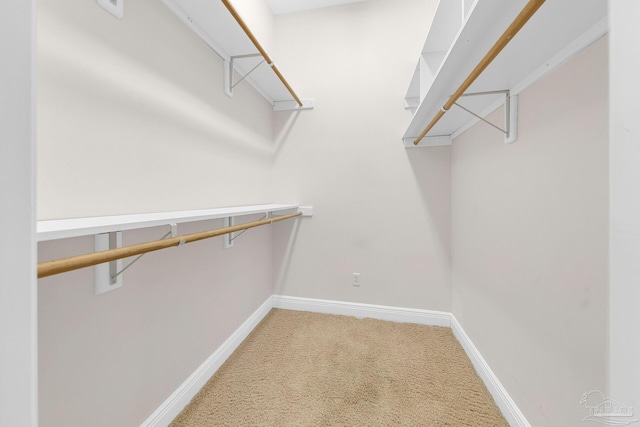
point(530, 242)
point(113, 359)
point(624, 205)
point(132, 117)
point(379, 210)
point(18, 295)
point(132, 113)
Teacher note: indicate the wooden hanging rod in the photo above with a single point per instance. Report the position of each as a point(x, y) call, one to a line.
point(527, 12)
point(261, 49)
point(49, 268)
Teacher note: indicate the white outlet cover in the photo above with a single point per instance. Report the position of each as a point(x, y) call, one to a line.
point(114, 7)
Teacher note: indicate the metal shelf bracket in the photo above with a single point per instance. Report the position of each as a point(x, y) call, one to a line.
point(227, 241)
point(106, 277)
point(510, 113)
point(230, 237)
point(229, 84)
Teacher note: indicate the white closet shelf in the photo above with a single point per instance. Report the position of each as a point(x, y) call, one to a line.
point(218, 28)
point(558, 30)
point(75, 227)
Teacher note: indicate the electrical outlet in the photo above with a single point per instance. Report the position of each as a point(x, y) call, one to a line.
point(355, 279)
point(114, 7)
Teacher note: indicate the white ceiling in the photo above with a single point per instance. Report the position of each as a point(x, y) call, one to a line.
point(280, 7)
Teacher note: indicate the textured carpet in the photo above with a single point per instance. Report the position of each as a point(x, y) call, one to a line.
point(307, 369)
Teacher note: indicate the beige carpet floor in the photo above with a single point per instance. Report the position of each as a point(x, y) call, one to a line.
point(307, 369)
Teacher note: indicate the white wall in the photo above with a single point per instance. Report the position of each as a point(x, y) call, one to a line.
point(625, 204)
point(530, 233)
point(18, 326)
point(132, 113)
point(133, 118)
point(379, 210)
point(111, 360)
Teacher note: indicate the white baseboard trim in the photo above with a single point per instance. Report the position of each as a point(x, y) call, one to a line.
point(508, 407)
point(180, 398)
point(183, 395)
point(381, 312)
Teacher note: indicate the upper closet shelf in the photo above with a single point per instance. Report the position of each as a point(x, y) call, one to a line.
point(215, 22)
point(75, 227)
point(461, 34)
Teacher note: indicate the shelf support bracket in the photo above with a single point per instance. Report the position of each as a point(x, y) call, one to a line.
point(230, 237)
point(229, 84)
point(510, 113)
point(106, 278)
point(230, 222)
point(228, 72)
